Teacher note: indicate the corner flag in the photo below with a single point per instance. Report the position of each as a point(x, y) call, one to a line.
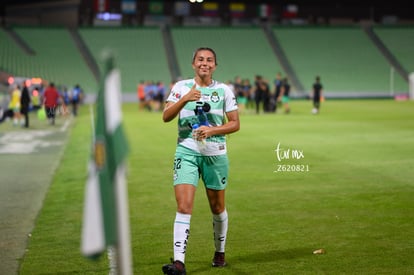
point(105, 217)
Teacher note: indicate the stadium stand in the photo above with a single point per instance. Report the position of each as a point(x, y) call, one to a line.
point(344, 57)
point(140, 53)
point(241, 51)
point(348, 61)
point(55, 57)
point(400, 41)
point(385, 52)
point(11, 56)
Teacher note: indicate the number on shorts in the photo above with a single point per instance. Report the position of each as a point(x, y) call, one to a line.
point(177, 163)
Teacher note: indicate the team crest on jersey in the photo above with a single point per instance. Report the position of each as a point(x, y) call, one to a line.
point(214, 97)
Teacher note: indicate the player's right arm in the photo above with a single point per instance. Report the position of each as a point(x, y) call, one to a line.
point(172, 109)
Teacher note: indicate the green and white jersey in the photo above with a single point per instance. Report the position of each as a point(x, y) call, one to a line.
point(221, 100)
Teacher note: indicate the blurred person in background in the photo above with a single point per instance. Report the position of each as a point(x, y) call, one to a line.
point(15, 104)
point(66, 95)
point(51, 101)
point(248, 91)
point(76, 98)
point(160, 96)
point(278, 86)
point(258, 93)
point(25, 104)
point(5, 111)
point(36, 99)
point(141, 95)
point(284, 95)
point(240, 93)
point(264, 86)
point(150, 90)
point(316, 95)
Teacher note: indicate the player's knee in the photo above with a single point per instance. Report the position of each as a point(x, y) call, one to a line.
point(184, 208)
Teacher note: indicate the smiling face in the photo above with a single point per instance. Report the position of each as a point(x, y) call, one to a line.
point(204, 63)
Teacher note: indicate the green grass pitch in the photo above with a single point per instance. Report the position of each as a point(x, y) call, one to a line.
point(345, 184)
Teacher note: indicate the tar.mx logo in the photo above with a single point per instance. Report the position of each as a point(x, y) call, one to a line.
point(288, 153)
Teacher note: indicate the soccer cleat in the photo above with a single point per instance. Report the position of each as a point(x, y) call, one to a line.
point(174, 268)
point(218, 260)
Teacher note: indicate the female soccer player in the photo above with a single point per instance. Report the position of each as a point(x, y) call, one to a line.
point(207, 111)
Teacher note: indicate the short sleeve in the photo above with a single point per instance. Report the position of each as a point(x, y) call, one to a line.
point(230, 100)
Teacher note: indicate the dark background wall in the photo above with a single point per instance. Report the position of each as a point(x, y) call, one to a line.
point(82, 12)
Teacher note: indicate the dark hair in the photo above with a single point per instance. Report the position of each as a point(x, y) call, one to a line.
point(205, 49)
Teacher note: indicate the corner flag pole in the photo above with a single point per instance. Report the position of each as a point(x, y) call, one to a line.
point(112, 101)
point(92, 122)
point(106, 215)
point(124, 242)
point(111, 251)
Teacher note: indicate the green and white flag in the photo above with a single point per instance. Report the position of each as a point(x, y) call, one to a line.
point(105, 217)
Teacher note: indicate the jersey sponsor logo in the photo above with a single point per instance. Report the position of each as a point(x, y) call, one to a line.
point(205, 97)
point(176, 95)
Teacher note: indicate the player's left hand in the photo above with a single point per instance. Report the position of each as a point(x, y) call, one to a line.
point(203, 132)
